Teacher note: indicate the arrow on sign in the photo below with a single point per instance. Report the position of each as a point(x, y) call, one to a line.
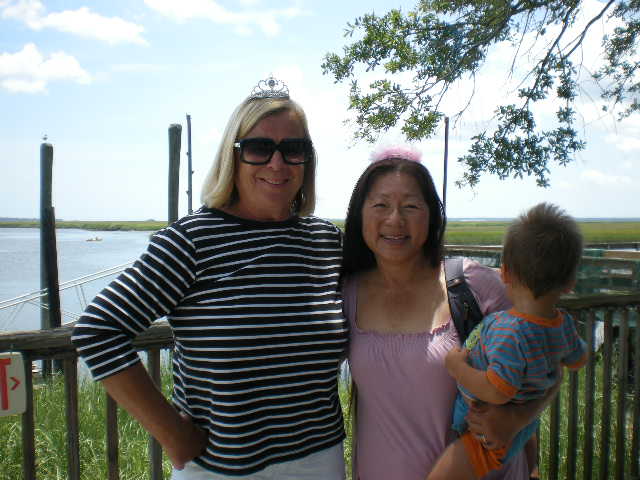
point(16, 383)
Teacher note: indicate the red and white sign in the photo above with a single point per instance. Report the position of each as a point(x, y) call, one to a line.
point(13, 395)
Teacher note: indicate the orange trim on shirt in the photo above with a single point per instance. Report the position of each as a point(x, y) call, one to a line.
point(542, 321)
point(503, 387)
point(482, 459)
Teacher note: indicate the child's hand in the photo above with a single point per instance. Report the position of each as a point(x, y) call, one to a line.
point(455, 357)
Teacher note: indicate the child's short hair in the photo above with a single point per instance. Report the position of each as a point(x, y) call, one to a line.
point(542, 248)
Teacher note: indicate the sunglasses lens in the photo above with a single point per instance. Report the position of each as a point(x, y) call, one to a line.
point(257, 150)
point(296, 150)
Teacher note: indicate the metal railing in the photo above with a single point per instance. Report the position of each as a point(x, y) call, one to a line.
point(15, 305)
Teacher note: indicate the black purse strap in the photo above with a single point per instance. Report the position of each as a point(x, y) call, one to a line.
point(464, 308)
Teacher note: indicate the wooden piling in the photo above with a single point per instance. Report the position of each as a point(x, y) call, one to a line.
point(50, 315)
point(175, 133)
point(46, 175)
point(190, 169)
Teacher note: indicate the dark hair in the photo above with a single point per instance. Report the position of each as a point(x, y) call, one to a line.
point(542, 249)
point(356, 255)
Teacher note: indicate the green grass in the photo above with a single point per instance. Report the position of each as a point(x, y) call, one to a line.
point(491, 233)
point(50, 436)
point(598, 427)
point(133, 453)
point(458, 233)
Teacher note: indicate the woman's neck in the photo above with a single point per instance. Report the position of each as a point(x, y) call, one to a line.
point(395, 276)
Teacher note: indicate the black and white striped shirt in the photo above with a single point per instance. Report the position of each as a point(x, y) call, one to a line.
point(259, 332)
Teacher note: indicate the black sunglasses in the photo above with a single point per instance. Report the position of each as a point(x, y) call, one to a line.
point(259, 151)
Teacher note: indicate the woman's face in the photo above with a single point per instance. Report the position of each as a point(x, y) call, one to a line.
point(266, 192)
point(395, 219)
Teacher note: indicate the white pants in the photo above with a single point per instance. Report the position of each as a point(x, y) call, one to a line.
point(326, 464)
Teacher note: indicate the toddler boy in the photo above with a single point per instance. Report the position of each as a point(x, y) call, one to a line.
point(519, 351)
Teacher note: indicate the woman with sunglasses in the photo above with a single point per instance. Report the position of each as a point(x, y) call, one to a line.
point(248, 284)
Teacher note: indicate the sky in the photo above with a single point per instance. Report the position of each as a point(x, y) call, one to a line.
point(105, 80)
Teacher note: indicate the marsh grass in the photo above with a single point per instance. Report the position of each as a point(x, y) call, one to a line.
point(457, 233)
point(133, 447)
point(598, 428)
point(103, 226)
point(51, 441)
point(491, 233)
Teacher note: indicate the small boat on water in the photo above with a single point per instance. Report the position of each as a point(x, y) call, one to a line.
point(94, 239)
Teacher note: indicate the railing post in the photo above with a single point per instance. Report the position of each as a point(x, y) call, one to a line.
point(605, 420)
point(623, 363)
point(175, 132)
point(112, 439)
point(635, 439)
point(589, 389)
point(28, 426)
point(155, 450)
point(572, 427)
point(554, 437)
point(73, 424)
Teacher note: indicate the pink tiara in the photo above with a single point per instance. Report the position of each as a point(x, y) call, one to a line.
point(396, 151)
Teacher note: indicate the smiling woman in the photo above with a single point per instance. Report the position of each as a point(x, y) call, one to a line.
point(266, 190)
point(395, 298)
point(395, 219)
point(249, 286)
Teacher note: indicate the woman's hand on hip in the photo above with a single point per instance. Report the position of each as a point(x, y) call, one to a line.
point(190, 442)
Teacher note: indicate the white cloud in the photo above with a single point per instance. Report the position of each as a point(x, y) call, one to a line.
point(81, 22)
point(603, 179)
point(139, 67)
point(623, 142)
point(244, 22)
point(28, 71)
point(29, 11)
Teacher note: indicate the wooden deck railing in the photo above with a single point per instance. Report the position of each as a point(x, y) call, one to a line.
point(560, 447)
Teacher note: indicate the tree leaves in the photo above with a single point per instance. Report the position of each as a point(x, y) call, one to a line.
point(440, 42)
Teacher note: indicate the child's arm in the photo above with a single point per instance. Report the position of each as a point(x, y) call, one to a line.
point(500, 423)
point(474, 380)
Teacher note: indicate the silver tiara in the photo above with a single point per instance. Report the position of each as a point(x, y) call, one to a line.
point(270, 88)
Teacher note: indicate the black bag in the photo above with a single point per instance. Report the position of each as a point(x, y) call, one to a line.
point(465, 311)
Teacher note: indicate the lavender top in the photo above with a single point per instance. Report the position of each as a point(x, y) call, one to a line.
point(405, 395)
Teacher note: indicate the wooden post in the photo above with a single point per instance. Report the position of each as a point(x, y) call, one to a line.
point(46, 168)
point(50, 317)
point(189, 188)
point(28, 426)
point(155, 450)
point(175, 132)
point(446, 160)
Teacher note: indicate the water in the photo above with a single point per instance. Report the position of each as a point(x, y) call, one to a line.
point(20, 266)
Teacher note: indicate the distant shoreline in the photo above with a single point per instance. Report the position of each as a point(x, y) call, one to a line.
point(147, 225)
point(459, 231)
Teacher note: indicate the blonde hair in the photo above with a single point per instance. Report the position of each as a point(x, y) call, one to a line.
point(219, 189)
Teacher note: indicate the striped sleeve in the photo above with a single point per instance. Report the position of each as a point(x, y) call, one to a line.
point(506, 362)
point(146, 291)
